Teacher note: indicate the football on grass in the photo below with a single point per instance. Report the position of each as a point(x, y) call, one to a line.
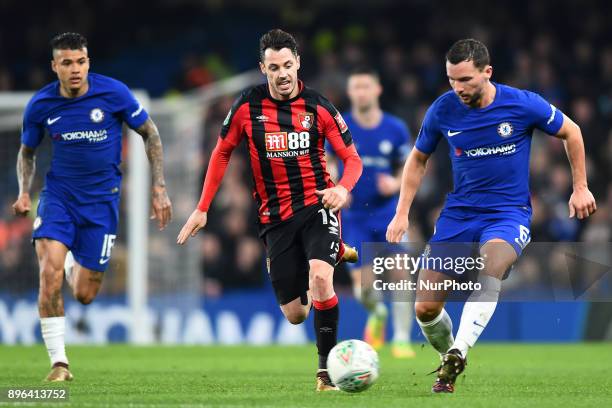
point(353, 365)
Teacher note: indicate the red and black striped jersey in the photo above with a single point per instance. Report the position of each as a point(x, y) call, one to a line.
point(286, 145)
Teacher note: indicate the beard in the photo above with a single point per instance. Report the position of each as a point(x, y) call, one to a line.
point(472, 100)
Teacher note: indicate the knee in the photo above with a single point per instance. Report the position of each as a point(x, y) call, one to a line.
point(321, 278)
point(496, 269)
point(427, 311)
point(297, 316)
point(84, 297)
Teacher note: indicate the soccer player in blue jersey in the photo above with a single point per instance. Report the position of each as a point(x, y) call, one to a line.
point(382, 141)
point(78, 210)
point(489, 128)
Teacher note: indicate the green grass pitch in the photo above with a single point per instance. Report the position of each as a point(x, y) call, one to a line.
point(498, 375)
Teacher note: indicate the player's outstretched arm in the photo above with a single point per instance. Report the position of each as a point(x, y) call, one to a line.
point(26, 167)
point(160, 202)
point(197, 220)
point(219, 159)
point(413, 173)
point(581, 203)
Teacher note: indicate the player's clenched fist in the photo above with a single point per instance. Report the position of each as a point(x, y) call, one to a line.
point(197, 221)
point(397, 228)
point(333, 198)
point(23, 205)
point(581, 203)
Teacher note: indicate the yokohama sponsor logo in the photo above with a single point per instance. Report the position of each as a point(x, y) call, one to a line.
point(491, 150)
point(90, 135)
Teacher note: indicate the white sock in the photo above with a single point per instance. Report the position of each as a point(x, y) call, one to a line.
point(439, 331)
point(52, 329)
point(381, 310)
point(402, 321)
point(370, 299)
point(477, 312)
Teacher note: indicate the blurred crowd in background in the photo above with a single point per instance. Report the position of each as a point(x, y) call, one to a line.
point(560, 49)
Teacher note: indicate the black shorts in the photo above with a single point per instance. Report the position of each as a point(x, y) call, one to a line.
point(313, 233)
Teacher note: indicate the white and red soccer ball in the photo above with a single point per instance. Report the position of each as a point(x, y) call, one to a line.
point(353, 365)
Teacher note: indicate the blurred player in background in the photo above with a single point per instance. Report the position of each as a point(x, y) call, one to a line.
point(285, 126)
point(382, 142)
point(78, 209)
point(488, 127)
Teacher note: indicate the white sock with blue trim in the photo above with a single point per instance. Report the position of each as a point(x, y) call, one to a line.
point(477, 312)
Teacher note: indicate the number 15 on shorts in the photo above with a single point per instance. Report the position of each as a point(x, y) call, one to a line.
point(329, 219)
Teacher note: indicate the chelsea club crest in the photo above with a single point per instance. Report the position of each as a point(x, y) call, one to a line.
point(505, 129)
point(96, 115)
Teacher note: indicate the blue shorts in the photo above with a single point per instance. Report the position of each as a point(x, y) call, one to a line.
point(88, 230)
point(358, 228)
point(470, 229)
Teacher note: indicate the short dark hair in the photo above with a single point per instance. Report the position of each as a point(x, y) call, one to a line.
point(469, 49)
point(277, 39)
point(365, 70)
point(68, 41)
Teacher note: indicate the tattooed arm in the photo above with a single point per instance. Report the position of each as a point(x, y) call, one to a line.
point(26, 166)
point(162, 207)
point(153, 147)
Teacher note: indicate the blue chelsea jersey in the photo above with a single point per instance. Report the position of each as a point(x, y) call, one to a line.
point(86, 136)
point(382, 149)
point(489, 147)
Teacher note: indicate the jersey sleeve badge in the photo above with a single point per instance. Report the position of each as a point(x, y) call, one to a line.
point(341, 123)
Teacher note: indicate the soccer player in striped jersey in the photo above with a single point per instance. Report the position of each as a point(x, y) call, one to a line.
point(285, 125)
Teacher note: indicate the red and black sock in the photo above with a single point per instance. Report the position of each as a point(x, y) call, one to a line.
point(340, 252)
point(326, 327)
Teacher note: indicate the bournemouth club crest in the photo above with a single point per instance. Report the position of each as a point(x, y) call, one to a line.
point(306, 119)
